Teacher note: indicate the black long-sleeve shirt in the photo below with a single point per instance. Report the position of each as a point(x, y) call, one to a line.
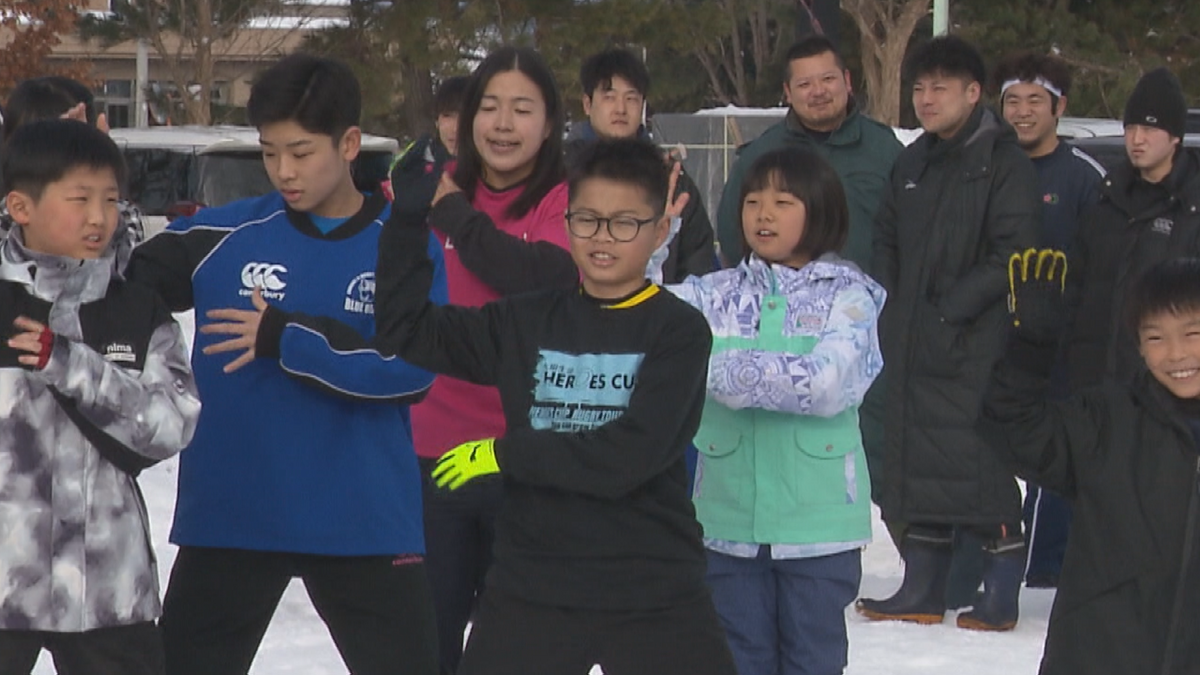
point(600, 399)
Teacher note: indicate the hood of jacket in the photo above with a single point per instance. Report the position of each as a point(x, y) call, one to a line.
point(67, 283)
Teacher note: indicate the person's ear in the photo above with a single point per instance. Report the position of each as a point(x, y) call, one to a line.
point(973, 92)
point(350, 144)
point(1062, 107)
point(20, 206)
point(849, 83)
point(587, 105)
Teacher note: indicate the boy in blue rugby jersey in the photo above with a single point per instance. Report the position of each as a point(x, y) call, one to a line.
point(302, 463)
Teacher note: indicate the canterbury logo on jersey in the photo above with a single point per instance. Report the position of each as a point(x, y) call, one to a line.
point(270, 277)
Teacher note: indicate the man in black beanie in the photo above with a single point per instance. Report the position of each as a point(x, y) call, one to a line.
point(1149, 211)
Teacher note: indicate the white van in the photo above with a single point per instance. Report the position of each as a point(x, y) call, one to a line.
point(175, 171)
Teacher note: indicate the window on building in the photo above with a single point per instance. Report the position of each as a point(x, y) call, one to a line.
point(116, 99)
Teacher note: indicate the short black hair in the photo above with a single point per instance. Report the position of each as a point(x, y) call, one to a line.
point(808, 46)
point(42, 152)
point(631, 161)
point(448, 98)
point(947, 55)
point(1169, 287)
point(548, 169)
point(320, 94)
point(1029, 66)
point(599, 69)
point(809, 177)
point(44, 98)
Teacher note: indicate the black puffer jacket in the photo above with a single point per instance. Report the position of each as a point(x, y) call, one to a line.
point(953, 214)
point(1119, 239)
point(1129, 595)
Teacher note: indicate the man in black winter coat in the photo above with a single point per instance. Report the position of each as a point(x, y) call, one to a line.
point(1149, 211)
point(615, 83)
point(962, 198)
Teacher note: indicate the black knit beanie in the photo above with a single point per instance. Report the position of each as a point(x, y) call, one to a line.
point(1157, 101)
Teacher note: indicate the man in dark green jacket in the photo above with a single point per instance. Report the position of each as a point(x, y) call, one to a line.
point(824, 117)
point(962, 199)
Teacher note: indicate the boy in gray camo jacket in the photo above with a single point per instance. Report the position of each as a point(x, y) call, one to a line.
point(95, 384)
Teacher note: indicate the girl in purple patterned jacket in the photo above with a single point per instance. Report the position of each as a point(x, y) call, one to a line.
point(781, 485)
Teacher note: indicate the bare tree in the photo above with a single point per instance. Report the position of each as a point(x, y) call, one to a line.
point(886, 26)
point(739, 44)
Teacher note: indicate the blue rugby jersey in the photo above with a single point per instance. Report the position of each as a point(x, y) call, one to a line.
point(307, 449)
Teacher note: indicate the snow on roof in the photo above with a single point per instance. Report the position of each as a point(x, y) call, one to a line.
point(739, 111)
point(296, 22)
point(204, 140)
point(905, 136)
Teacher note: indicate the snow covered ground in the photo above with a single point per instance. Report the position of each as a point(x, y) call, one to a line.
point(297, 641)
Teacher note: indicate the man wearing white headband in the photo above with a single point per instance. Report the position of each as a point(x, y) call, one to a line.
point(1033, 92)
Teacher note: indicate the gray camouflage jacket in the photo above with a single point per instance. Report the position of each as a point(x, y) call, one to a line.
point(75, 548)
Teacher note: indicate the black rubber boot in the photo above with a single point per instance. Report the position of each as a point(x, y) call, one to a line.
point(967, 566)
point(997, 608)
point(922, 595)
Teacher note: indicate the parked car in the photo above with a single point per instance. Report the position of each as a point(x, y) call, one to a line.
point(176, 171)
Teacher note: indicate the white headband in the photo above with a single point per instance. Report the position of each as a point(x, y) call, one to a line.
point(1040, 81)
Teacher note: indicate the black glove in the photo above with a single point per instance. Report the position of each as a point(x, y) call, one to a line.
point(415, 180)
point(1036, 281)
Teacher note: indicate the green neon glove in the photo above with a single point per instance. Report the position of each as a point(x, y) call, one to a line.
point(466, 462)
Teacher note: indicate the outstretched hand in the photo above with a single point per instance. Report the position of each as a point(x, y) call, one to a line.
point(1037, 280)
point(242, 324)
point(465, 463)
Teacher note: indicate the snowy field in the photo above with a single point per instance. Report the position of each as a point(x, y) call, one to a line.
point(297, 641)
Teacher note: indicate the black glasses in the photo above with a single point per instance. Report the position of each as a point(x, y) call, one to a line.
point(620, 228)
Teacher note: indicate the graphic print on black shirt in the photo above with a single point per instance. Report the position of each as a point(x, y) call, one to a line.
point(579, 392)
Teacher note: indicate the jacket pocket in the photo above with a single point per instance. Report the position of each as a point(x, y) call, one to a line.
point(721, 467)
point(826, 470)
point(939, 345)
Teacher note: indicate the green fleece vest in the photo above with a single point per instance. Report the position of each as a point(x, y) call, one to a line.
point(776, 478)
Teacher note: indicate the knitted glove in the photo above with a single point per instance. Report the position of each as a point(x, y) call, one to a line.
point(465, 463)
point(1036, 282)
point(415, 181)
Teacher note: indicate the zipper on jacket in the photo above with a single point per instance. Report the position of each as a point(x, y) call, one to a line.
point(1189, 537)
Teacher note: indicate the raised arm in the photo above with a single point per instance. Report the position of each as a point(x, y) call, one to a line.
point(337, 358)
point(835, 375)
point(458, 341)
point(507, 263)
point(1047, 443)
